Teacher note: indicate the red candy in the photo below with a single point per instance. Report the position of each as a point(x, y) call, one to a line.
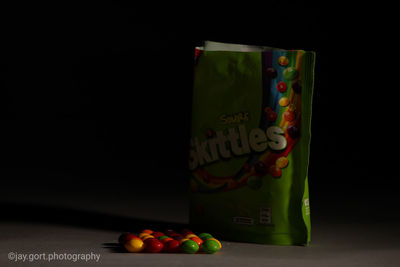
point(270, 113)
point(268, 109)
point(157, 234)
point(288, 115)
point(165, 240)
point(271, 116)
point(172, 246)
point(152, 245)
point(126, 237)
point(186, 231)
point(281, 86)
point(175, 235)
point(275, 171)
point(169, 232)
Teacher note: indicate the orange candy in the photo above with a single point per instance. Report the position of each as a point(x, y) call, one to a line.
point(147, 231)
point(190, 236)
point(281, 162)
point(198, 240)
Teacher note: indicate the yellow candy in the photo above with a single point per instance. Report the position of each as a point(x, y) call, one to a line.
point(284, 101)
point(283, 61)
point(134, 245)
point(147, 236)
point(281, 162)
point(188, 236)
point(219, 243)
point(184, 239)
point(141, 235)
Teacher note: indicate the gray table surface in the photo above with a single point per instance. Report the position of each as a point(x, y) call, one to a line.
point(344, 232)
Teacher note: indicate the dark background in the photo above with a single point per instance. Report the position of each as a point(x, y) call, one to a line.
point(101, 93)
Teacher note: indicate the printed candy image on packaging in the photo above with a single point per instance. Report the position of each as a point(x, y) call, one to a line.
point(250, 142)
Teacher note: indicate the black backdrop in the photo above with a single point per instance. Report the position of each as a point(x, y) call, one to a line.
point(103, 91)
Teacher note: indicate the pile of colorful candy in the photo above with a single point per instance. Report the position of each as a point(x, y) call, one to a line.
point(170, 242)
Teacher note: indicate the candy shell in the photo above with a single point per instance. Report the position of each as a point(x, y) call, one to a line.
point(284, 101)
point(158, 234)
point(290, 73)
point(190, 236)
point(186, 231)
point(147, 237)
point(147, 231)
point(175, 235)
point(254, 182)
point(281, 87)
point(271, 116)
point(165, 240)
point(134, 245)
point(172, 246)
point(205, 236)
point(275, 171)
point(281, 162)
point(189, 246)
point(162, 237)
point(141, 235)
point(210, 246)
point(169, 232)
point(197, 239)
point(268, 109)
point(123, 238)
point(219, 243)
point(152, 245)
point(289, 115)
point(283, 61)
point(183, 240)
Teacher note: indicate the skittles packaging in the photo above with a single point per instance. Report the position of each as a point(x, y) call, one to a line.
point(250, 143)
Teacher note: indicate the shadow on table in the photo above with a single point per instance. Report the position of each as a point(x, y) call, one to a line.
point(33, 213)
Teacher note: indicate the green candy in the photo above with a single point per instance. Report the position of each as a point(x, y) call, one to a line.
point(162, 237)
point(205, 236)
point(190, 247)
point(290, 73)
point(254, 182)
point(210, 246)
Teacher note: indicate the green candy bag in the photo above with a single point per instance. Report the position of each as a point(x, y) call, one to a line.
point(250, 143)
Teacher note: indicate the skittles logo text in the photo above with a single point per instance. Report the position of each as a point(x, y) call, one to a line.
point(235, 142)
